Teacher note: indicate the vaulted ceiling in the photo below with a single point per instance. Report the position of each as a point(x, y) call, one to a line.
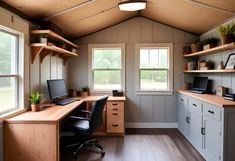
point(81, 17)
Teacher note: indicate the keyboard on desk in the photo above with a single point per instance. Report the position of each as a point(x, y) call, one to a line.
point(66, 101)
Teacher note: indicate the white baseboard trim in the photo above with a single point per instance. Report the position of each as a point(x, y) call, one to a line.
point(151, 125)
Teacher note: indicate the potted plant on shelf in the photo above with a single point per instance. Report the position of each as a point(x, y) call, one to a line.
point(85, 91)
point(196, 46)
point(35, 99)
point(209, 43)
point(226, 32)
point(43, 38)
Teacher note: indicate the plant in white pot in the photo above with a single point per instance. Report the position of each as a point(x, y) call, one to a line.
point(226, 32)
point(85, 91)
point(35, 99)
point(43, 38)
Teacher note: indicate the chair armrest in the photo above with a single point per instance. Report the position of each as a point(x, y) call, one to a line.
point(79, 118)
point(84, 111)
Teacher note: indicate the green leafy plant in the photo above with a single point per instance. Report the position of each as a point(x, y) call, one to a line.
point(35, 98)
point(43, 36)
point(85, 89)
point(228, 29)
point(210, 40)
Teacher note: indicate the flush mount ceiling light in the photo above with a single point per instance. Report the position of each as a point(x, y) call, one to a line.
point(132, 5)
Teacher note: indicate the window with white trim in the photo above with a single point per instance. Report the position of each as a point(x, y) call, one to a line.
point(106, 67)
point(9, 71)
point(154, 68)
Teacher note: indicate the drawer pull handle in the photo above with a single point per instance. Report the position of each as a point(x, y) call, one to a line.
point(212, 112)
point(115, 109)
point(194, 105)
point(115, 114)
point(115, 104)
point(182, 99)
point(115, 125)
point(187, 119)
point(203, 131)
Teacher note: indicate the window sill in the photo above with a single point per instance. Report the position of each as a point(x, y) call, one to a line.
point(12, 113)
point(150, 93)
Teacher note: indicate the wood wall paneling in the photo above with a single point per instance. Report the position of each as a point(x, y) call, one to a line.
point(139, 108)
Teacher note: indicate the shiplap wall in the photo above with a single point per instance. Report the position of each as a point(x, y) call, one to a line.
point(219, 79)
point(51, 68)
point(141, 111)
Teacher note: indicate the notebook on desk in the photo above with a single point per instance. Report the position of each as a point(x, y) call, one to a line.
point(199, 85)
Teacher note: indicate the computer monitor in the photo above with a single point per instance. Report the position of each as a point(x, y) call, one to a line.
point(57, 88)
point(200, 83)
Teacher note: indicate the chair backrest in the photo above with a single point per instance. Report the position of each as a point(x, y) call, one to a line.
point(96, 116)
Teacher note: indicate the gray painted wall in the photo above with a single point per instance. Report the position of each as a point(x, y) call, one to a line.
point(139, 109)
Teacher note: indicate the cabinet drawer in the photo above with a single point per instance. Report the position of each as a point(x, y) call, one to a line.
point(195, 105)
point(212, 111)
point(115, 106)
point(182, 99)
point(115, 122)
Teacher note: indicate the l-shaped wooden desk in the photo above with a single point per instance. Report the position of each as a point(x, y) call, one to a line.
point(34, 136)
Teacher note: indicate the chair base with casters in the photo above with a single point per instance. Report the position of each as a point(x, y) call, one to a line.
point(81, 145)
point(84, 127)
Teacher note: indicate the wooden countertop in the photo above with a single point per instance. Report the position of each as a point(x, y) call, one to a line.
point(210, 98)
point(55, 113)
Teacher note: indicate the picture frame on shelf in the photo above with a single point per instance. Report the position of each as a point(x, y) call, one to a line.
point(230, 63)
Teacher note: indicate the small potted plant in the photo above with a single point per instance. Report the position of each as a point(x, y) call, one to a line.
point(85, 91)
point(35, 99)
point(43, 38)
point(196, 46)
point(226, 32)
point(209, 43)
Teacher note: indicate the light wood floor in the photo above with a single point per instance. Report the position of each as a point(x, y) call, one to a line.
point(142, 145)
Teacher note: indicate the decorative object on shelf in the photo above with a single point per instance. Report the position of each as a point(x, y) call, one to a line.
point(230, 63)
point(35, 99)
point(74, 50)
point(43, 38)
point(85, 91)
point(220, 65)
point(202, 65)
point(210, 64)
point(192, 65)
point(226, 32)
point(209, 43)
point(196, 46)
point(187, 50)
point(220, 91)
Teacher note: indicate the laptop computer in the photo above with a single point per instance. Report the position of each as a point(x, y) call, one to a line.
point(199, 85)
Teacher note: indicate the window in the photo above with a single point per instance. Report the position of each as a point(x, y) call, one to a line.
point(106, 67)
point(154, 68)
point(9, 72)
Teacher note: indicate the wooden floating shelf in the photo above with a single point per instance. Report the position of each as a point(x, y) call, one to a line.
point(212, 50)
point(54, 36)
point(44, 50)
point(211, 71)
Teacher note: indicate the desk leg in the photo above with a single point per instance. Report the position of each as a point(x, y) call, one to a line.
point(31, 142)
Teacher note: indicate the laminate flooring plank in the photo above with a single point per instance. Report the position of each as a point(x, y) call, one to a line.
point(142, 145)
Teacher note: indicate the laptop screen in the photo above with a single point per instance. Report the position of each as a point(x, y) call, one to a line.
point(200, 83)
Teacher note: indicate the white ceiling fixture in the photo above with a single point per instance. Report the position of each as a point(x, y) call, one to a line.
point(132, 5)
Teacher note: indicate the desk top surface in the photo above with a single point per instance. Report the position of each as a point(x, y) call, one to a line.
point(55, 113)
point(210, 98)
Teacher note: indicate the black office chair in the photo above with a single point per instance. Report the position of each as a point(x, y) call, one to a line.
point(84, 127)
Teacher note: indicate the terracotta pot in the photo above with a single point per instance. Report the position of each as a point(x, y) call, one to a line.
point(196, 47)
point(84, 94)
point(35, 108)
point(226, 39)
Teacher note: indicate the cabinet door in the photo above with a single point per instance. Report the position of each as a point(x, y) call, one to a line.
point(195, 136)
point(212, 139)
point(183, 116)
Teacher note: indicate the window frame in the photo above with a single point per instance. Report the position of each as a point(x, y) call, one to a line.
point(138, 69)
point(19, 72)
point(91, 71)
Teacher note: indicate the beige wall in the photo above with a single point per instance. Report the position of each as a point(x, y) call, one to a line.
point(151, 110)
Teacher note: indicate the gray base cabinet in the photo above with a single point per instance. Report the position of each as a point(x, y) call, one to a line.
point(209, 128)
